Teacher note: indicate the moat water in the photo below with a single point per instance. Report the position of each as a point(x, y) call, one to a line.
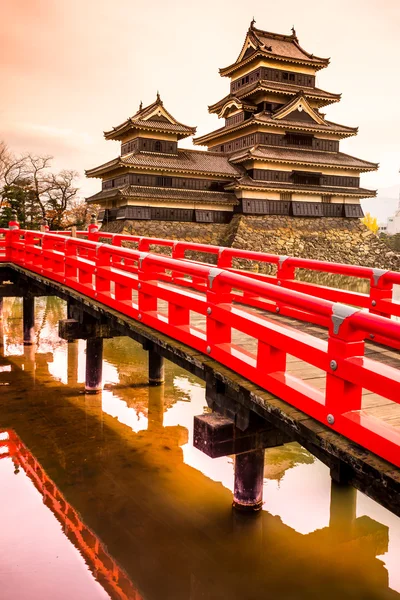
point(105, 497)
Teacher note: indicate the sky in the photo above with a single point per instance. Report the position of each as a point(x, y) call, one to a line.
point(71, 69)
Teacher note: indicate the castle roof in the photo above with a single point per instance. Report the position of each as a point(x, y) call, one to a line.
point(154, 117)
point(185, 161)
point(275, 46)
point(286, 89)
point(303, 156)
point(264, 118)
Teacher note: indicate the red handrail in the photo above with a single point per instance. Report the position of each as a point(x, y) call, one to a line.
point(134, 282)
point(378, 300)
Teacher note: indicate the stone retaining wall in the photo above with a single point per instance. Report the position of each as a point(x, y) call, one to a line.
point(203, 233)
point(332, 239)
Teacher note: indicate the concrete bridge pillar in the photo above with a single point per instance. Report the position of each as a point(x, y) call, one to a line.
point(94, 365)
point(28, 309)
point(156, 368)
point(249, 478)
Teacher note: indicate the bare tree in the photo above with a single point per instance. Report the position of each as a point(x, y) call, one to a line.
point(58, 195)
point(29, 186)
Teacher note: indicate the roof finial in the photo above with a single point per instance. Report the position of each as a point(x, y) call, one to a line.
point(252, 23)
point(294, 32)
point(158, 96)
point(141, 105)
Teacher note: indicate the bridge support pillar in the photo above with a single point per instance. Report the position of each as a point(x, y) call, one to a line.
point(217, 435)
point(94, 365)
point(249, 478)
point(28, 310)
point(156, 368)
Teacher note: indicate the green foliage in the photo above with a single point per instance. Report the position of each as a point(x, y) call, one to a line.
point(393, 241)
point(18, 197)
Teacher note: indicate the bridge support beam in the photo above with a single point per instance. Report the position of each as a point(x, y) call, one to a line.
point(94, 365)
point(94, 332)
point(28, 317)
point(217, 436)
point(156, 368)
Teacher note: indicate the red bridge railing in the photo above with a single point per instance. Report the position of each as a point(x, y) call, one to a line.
point(140, 284)
point(378, 300)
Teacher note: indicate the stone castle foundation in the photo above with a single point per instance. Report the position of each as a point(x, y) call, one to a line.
point(332, 239)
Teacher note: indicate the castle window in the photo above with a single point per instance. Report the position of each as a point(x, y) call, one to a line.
point(298, 139)
point(285, 196)
point(291, 76)
point(157, 146)
point(305, 178)
point(327, 199)
point(164, 181)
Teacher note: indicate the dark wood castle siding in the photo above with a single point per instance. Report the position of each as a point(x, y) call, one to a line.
point(149, 145)
point(275, 139)
point(156, 213)
point(165, 181)
point(300, 209)
point(304, 177)
point(268, 74)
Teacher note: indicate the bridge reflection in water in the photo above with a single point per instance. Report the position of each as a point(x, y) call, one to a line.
point(149, 524)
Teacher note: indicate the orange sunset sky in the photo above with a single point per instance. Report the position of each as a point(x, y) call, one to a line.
point(72, 69)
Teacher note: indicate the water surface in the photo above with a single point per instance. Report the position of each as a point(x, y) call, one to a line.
point(105, 497)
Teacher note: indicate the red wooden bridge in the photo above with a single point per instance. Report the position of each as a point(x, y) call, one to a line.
point(328, 352)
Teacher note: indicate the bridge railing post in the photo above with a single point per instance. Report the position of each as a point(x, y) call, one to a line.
point(224, 259)
point(103, 261)
point(71, 269)
point(218, 292)
point(146, 302)
point(285, 271)
point(12, 235)
point(93, 228)
point(344, 341)
point(380, 289)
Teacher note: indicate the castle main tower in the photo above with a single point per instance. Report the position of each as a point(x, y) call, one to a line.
point(275, 132)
